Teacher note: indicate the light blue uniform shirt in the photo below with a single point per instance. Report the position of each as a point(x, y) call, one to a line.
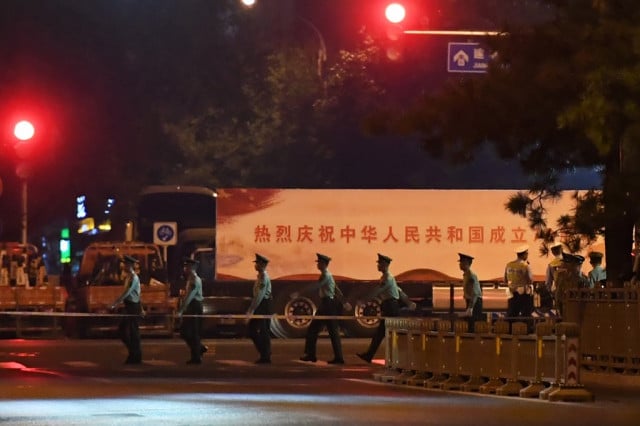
point(596, 275)
point(471, 287)
point(388, 288)
point(132, 289)
point(261, 290)
point(326, 285)
point(194, 290)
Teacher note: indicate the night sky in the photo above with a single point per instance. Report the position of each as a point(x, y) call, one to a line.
point(71, 65)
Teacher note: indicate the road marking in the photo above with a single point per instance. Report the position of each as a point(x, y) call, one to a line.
point(158, 362)
point(235, 362)
point(82, 364)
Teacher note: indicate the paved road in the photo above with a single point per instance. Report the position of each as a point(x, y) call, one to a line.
point(77, 382)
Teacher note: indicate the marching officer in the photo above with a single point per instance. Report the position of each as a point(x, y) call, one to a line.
point(518, 277)
point(598, 275)
point(471, 289)
point(261, 305)
point(192, 305)
point(389, 294)
point(329, 306)
point(129, 329)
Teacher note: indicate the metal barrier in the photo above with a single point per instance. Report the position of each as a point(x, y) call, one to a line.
point(41, 299)
point(610, 324)
point(442, 354)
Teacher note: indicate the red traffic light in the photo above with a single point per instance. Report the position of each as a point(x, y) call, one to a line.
point(395, 13)
point(24, 130)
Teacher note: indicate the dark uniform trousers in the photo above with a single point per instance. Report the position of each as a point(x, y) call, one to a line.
point(390, 308)
point(190, 330)
point(476, 314)
point(259, 330)
point(328, 307)
point(521, 305)
point(130, 332)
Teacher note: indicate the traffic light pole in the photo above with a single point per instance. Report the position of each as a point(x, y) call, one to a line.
point(23, 215)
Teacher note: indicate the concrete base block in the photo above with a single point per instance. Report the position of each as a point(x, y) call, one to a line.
point(435, 380)
point(544, 394)
point(473, 384)
point(386, 375)
point(533, 390)
point(401, 379)
point(452, 383)
point(511, 388)
point(571, 394)
point(491, 386)
point(419, 378)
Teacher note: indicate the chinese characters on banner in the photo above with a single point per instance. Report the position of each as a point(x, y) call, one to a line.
point(408, 234)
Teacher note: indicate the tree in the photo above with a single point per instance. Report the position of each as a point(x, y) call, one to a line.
point(561, 93)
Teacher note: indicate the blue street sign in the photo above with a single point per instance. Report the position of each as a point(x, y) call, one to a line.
point(467, 57)
point(165, 233)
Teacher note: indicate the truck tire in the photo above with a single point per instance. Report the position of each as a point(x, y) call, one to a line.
point(363, 327)
point(292, 327)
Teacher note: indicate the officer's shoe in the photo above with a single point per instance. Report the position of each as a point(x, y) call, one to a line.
point(336, 361)
point(194, 361)
point(308, 358)
point(365, 357)
point(204, 349)
point(133, 361)
point(263, 361)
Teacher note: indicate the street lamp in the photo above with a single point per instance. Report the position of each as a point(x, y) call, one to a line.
point(23, 131)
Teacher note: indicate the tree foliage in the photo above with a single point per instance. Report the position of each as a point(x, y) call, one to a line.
point(561, 93)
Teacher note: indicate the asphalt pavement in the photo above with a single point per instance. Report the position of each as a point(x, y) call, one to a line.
point(85, 382)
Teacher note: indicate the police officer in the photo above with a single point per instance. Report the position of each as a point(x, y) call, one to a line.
point(129, 329)
point(569, 276)
point(329, 306)
point(389, 294)
point(471, 290)
point(598, 275)
point(546, 291)
point(261, 305)
point(518, 277)
point(192, 305)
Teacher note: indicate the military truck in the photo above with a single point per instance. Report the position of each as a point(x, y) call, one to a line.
point(421, 230)
point(99, 283)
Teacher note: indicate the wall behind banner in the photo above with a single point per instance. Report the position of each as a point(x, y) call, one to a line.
point(419, 229)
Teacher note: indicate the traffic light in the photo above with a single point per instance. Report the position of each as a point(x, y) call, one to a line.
point(24, 130)
point(65, 246)
point(394, 14)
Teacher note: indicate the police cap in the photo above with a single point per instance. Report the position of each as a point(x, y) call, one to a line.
point(595, 256)
point(522, 249)
point(189, 261)
point(383, 259)
point(572, 258)
point(557, 244)
point(322, 258)
point(465, 257)
point(261, 259)
point(129, 259)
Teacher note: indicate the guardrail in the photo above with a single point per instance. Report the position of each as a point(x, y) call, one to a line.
point(32, 300)
point(441, 354)
point(610, 322)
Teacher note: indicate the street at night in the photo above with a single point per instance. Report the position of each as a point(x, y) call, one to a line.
point(72, 382)
point(465, 171)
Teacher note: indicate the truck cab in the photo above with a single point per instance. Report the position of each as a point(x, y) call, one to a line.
point(99, 283)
